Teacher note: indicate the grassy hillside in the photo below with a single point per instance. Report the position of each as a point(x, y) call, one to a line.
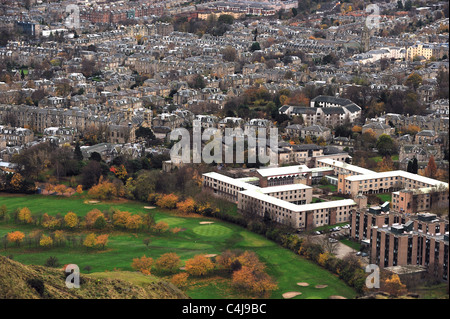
point(18, 281)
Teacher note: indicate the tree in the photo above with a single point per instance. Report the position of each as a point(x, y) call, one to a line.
point(229, 54)
point(90, 174)
point(143, 264)
point(15, 237)
point(60, 189)
point(199, 265)
point(385, 145)
point(257, 282)
point(414, 80)
point(255, 46)
point(226, 18)
point(59, 237)
point(369, 137)
point(356, 129)
point(92, 216)
point(100, 222)
point(160, 227)
point(198, 82)
point(187, 206)
point(386, 164)
point(167, 201)
point(71, 220)
point(3, 211)
point(180, 280)
point(414, 166)
point(251, 260)
point(106, 190)
point(78, 155)
point(102, 240)
point(120, 218)
point(46, 241)
point(50, 222)
point(394, 286)
point(90, 241)
point(134, 222)
point(25, 215)
point(145, 133)
point(431, 169)
point(169, 262)
point(17, 181)
point(79, 189)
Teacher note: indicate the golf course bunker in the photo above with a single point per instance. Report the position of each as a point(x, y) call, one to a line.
point(206, 223)
point(93, 202)
point(303, 284)
point(212, 230)
point(321, 286)
point(210, 255)
point(149, 207)
point(336, 297)
point(291, 294)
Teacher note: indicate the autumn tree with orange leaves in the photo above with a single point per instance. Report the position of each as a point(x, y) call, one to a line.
point(15, 237)
point(160, 227)
point(187, 206)
point(394, 286)
point(254, 281)
point(143, 264)
point(386, 164)
point(180, 280)
point(134, 222)
point(167, 201)
point(169, 262)
point(101, 240)
point(199, 265)
point(120, 218)
point(92, 216)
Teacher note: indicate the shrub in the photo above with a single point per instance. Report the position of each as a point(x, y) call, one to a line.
point(52, 262)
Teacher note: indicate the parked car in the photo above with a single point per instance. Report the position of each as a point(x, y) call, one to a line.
point(358, 253)
point(332, 240)
point(317, 232)
point(364, 254)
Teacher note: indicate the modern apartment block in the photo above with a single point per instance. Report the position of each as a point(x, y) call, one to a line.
point(410, 192)
point(279, 194)
point(396, 239)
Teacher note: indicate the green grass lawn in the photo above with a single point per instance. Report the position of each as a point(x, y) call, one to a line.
point(380, 158)
point(316, 200)
point(351, 244)
point(283, 265)
point(385, 197)
point(337, 198)
point(432, 292)
point(329, 187)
